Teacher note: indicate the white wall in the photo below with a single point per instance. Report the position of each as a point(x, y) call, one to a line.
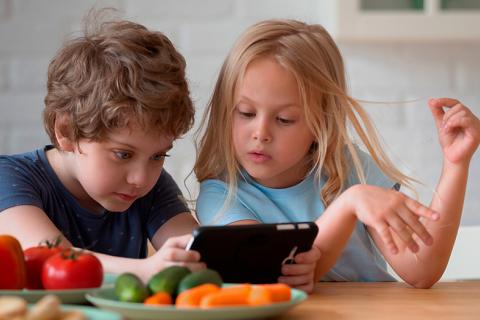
point(32, 30)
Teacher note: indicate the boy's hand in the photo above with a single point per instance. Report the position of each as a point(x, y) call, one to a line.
point(301, 274)
point(385, 211)
point(173, 253)
point(458, 129)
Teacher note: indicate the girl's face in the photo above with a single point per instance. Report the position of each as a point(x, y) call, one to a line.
point(270, 134)
point(113, 173)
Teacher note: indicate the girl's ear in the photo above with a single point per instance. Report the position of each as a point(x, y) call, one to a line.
point(63, 133)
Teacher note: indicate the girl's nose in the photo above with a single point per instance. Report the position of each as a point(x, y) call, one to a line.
point(262, 132)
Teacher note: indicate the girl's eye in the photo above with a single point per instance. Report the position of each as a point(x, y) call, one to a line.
point(123, 155)
point(245, 114)
point(285, 121)
point(160, 157)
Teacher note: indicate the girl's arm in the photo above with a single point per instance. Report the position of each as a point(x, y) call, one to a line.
point(390, 214)
point(30, 225)
point(459, 135)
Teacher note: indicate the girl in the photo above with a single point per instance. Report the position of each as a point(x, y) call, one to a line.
point(280, 113)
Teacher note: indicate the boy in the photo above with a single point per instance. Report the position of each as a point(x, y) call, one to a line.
point(116, 100)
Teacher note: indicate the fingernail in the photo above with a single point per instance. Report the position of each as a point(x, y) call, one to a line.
point(435, 216)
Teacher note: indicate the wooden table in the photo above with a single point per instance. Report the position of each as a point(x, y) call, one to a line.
point(350, 300)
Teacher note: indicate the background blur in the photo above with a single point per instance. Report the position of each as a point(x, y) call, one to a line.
point(394, 51)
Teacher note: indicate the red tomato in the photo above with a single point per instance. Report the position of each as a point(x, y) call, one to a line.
point(35, 257)
point(71, 269)
point(12, 264)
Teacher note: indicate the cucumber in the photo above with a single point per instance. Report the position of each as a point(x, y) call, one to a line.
point(129, 288)
point(200, 277)
point(168, 279)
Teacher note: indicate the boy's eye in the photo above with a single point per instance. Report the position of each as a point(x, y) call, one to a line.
point(123, 155)
point(159, 157)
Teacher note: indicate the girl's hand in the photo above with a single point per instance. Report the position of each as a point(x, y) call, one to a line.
point(300, 275)
point(172, 253)
point(387, 211)
point(458, 129)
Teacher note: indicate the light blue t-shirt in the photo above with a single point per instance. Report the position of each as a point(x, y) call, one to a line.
point(359, 261)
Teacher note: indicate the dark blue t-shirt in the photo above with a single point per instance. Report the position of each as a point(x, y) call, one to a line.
point(28, 179)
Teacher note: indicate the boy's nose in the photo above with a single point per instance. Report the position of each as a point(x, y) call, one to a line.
point(138, 177)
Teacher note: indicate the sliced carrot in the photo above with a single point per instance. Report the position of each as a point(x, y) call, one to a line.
point(191, 298)
point(229, 296)
point(159, 298)
point(259, 296)
point(279, 291)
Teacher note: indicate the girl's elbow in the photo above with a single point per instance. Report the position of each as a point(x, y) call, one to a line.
point(424, 282)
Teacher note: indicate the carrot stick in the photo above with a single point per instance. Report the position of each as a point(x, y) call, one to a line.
point(191, 298)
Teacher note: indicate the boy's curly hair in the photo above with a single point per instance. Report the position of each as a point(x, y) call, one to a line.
point(117, 74)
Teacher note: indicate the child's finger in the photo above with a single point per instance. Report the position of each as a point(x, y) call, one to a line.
point(420, 210)
point(298, 280)
point(310, 256)
point(415, 226)
point(179, 255)
point(195, 266)
point(443, 102)
point(459, 120)
point(178, 242)
point(385, 234)
point(297, 269)
point(437, 112)
point(401, 229)
point(454, 111)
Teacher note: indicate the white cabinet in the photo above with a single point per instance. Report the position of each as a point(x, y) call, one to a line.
point(402, 20)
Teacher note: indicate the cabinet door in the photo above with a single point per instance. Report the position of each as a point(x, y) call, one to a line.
point(407, 20)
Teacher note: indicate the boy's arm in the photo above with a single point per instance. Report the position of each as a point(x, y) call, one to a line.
point(30, 225)
point(181, 224)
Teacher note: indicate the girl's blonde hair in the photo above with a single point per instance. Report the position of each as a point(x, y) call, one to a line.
point(311, 55)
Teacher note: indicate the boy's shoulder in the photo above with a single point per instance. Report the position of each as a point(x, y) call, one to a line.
point(25, 170)
point(21, 161)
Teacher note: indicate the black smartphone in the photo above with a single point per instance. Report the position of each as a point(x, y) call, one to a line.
point(252, 253)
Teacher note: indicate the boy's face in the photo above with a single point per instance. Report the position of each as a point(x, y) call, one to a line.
point(113, 173)
point(270, 134)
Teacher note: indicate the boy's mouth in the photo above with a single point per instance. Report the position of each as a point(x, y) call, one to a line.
point(126, 197)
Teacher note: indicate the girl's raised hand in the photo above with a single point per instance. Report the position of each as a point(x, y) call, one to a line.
point(386, 211)
point(300, 275)
point(458, 129)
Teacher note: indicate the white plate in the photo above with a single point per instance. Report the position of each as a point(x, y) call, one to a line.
point(105, 298)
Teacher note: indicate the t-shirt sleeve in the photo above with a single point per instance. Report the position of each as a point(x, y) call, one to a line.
point(167, 202)
point(17, 186)
point(211, 208)
point(373, 174)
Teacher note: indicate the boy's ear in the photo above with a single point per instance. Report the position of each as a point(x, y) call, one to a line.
point(63, 133)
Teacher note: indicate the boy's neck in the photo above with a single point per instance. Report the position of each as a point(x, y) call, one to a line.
point(59, 163)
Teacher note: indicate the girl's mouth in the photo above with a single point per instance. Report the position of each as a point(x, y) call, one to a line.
point(258, 157)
